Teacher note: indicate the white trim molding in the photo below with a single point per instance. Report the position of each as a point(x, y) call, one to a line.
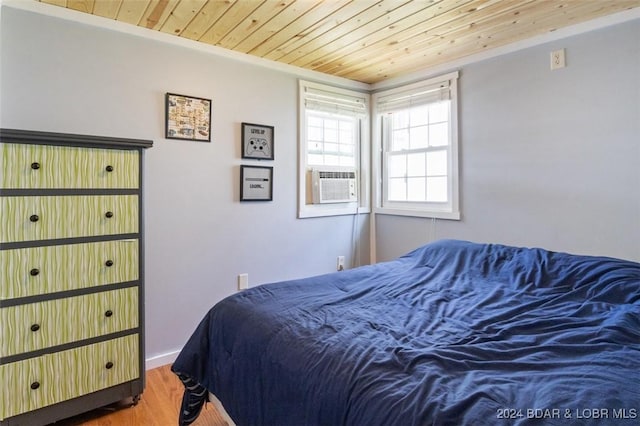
point(160, 360)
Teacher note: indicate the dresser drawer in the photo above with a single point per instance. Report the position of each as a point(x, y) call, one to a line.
point(28, 166)
point(48, 379)
point(49, 217)
point(26, 328)
point(41, 270)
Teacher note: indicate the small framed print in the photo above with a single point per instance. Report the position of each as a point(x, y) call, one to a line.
point(256, 183)
point(257, 141)
point(188, 118)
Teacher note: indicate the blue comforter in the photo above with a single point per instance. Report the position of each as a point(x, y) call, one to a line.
point(453, 333)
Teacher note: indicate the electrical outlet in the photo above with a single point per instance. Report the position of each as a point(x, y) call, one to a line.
point(243, 282)
point(557, 59)
point(340, 263)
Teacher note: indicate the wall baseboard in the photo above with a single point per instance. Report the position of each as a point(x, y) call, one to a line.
point(160, 360)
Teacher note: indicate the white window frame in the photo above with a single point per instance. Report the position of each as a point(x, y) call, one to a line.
point(449, 210)
point(306, 208)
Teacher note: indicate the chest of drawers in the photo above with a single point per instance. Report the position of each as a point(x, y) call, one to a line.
point(71, 274)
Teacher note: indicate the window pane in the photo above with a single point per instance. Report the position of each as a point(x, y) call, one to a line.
point(330, 135)
point(331, 160)
point(419, 115)
point(415, 189)
point(315, 159)
point(439, 134)
point(314, 121)
point(400, 119)
point(330, 130)
point(419, 137)
point(331, 148)
point(314, 147)
point(439, 112)
point(416, 165)
point(314, 133)
point(346, 149)
point(397, 189)
point(437, 189)
point(437, 163)
point(330, 123)
point(346, 136)
point(400, 140)
point(397, 166)
point(347, 161)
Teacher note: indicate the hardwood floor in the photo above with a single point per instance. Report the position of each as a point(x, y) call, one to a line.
point(158, 406)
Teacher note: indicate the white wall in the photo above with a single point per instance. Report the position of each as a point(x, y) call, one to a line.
point(548, 158)
point(63, 76)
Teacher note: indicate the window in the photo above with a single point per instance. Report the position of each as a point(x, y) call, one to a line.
point(333, 124)
point(332, 139)
point(418, 145)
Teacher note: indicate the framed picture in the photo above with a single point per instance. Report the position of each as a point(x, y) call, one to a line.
point(188, 118)
point(257, 141)
point(256, 183)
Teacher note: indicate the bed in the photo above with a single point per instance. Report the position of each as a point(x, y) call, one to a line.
point(452, 333)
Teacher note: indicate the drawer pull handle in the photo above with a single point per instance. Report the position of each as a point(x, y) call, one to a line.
point(108, 263)
point(34, 272)
point(109, 313)
point(108, 365)
point(35, 385)
point(109, 169)
point(34, 218)
point(35, 166)
point(35, 327)
point(108, 215)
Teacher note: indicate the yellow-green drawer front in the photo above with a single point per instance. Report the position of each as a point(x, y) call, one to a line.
point(67, 374)
point(34, 326)
point(66, 216)
point(40, 270)
point(26, 166)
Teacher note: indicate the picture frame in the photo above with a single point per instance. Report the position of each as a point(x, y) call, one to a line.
point(187, 118)
point(256, 183)
point(257, 141)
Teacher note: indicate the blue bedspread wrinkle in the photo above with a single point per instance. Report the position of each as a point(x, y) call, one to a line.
point(453, 333)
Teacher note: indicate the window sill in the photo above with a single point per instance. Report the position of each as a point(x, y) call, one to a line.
point(455, 215)
point(325, 210)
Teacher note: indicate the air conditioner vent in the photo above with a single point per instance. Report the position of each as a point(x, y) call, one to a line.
point(337, 175)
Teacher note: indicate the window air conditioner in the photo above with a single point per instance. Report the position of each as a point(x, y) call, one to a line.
point(334, 185)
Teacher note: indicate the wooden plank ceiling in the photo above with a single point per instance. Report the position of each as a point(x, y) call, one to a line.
point(363, 40)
